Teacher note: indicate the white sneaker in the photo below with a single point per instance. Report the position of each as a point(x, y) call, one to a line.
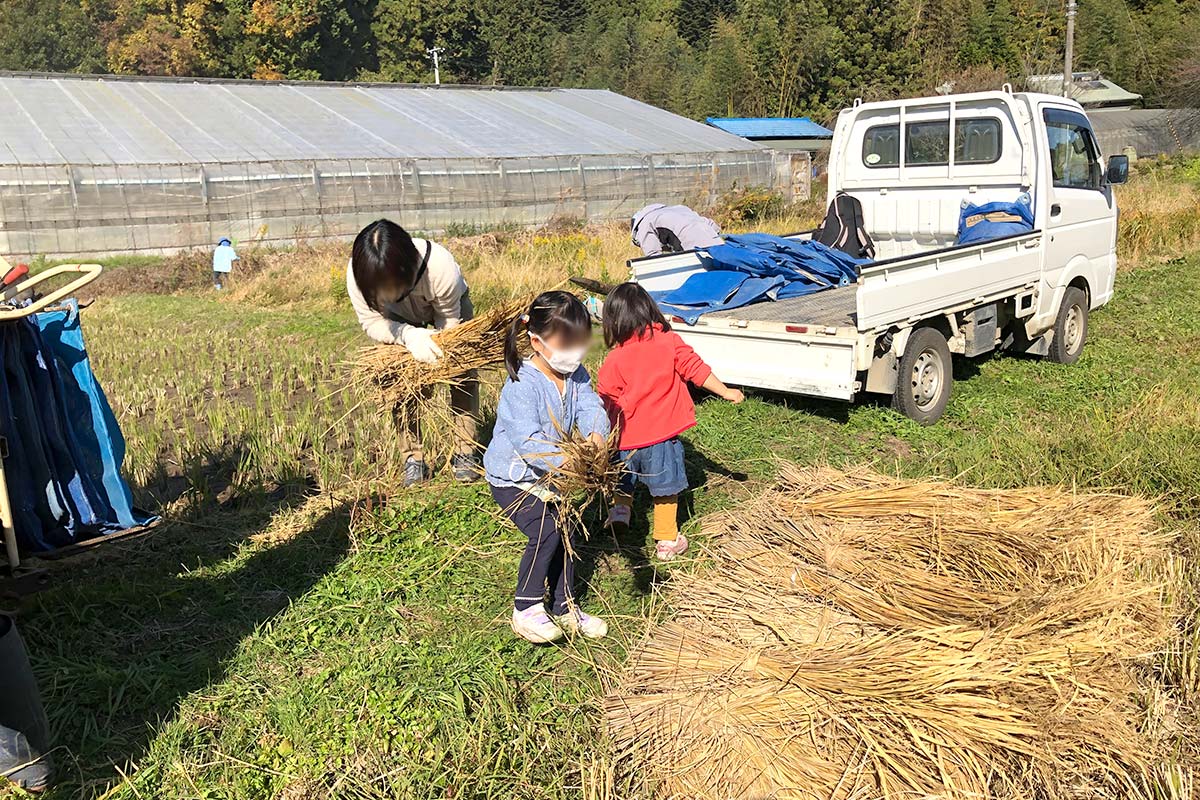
point(535, 625)
point(585, 625)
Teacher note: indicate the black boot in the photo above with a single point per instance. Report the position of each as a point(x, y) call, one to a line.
point(24, 730)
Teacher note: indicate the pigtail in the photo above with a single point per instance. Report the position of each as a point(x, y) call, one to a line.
point(512, 347)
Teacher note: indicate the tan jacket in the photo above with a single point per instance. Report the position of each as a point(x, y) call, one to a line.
point(435, 300)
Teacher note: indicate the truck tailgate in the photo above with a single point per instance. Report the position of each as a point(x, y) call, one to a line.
point(822, 366)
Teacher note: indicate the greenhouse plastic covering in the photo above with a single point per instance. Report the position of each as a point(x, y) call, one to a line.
point(64, 446)
point(93, 165)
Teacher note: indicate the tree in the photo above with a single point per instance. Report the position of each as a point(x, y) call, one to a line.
point(404, 30)
point(49, 36)
point(309, 39)
point(696, 18)
point(520, 40)
point(724, 88)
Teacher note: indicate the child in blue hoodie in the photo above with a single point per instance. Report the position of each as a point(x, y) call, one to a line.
point(546, 395)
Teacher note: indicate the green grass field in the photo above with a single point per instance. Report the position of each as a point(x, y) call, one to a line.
point(280, 636)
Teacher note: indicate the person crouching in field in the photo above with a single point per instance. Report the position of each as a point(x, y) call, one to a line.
point(643, 384)
point(545, 397)
point(404, 290)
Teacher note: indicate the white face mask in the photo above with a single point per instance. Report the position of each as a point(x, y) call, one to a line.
point(564, 362)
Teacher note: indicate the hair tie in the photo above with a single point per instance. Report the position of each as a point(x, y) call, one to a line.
point(525, 318)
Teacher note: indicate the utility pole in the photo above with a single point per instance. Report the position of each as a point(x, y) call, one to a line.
point(1068, 75)
point(437, 51)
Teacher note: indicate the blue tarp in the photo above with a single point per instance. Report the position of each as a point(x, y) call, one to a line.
point(994, 220)
point(751, 267)
point(716, 290)
point(65, 448)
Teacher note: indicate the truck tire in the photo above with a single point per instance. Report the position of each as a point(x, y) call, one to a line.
point(1070, 328)
point(924, 377)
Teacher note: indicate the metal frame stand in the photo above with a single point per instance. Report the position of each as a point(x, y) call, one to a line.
point(86, 274)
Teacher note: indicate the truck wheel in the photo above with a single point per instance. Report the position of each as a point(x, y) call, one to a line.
point(1071, 327)
point(924, 377)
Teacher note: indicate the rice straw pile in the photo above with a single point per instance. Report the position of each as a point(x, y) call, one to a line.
point(858, 636)
point(401, 380)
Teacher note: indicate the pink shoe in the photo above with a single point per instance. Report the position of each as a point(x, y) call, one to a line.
point(669, 550)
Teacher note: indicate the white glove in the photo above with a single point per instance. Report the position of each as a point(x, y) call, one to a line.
point(420, 343)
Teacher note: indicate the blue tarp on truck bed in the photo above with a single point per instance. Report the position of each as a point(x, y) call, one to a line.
point(65, 447)
point(752, 267)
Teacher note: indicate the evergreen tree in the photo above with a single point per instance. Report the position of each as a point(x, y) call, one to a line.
point(696, 18)
point(49, 36)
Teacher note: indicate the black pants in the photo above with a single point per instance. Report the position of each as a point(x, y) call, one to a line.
point(545, 561)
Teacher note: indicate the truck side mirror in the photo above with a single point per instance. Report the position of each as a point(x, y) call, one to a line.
point(1118, 169)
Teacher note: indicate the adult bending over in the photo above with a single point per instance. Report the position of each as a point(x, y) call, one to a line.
point(404, 290)
point(672, 229)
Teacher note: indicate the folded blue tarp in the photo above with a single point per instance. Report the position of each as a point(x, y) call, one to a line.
point(716, 290)
point(65, 448)
point(770, 268)
point(981, 223)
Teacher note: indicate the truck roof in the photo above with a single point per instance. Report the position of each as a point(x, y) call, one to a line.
point(998, 95)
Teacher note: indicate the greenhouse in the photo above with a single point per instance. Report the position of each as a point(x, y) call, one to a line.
point(96, 165)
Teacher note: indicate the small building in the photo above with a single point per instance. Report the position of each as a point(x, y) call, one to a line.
point(1146, 132)
point(1089, 89)
point(777, 133)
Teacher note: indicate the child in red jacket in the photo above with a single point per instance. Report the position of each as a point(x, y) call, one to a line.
point(642, 383)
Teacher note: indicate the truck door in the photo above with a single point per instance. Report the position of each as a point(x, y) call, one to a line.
point(1081, 222)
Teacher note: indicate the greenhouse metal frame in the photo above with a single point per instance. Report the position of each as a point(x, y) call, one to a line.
point(125, 166)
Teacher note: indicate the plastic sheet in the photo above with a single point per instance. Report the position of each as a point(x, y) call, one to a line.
point(65, 447)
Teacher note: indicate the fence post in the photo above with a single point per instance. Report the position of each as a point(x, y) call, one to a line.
point(714, 184)
point(202, 177)
point(583, 188)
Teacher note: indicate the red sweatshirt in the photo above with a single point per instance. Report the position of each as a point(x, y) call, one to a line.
point(642, 385)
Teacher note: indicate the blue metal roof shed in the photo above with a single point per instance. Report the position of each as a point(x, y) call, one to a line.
point(757, 128)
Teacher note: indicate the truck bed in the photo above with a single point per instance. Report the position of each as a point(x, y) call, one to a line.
point(832, 307)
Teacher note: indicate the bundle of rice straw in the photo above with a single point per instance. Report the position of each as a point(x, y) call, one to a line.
point(859, 636)
point(401, 380)
point(588, 467)
point(588, 471)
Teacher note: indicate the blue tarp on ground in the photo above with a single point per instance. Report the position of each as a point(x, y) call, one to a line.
point(752, 267)
point(65, 448)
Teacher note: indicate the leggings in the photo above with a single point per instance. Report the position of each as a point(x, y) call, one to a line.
point(545, 561)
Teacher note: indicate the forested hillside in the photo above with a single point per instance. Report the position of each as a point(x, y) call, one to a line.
point(696, 57)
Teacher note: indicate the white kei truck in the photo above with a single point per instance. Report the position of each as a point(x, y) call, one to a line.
point(912, 164)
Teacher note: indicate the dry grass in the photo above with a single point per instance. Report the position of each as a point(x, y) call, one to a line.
point(497, 264)
point(1159, 217)
point(857, 636)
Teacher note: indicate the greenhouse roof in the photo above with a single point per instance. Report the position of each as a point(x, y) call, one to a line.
point(72, 119)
